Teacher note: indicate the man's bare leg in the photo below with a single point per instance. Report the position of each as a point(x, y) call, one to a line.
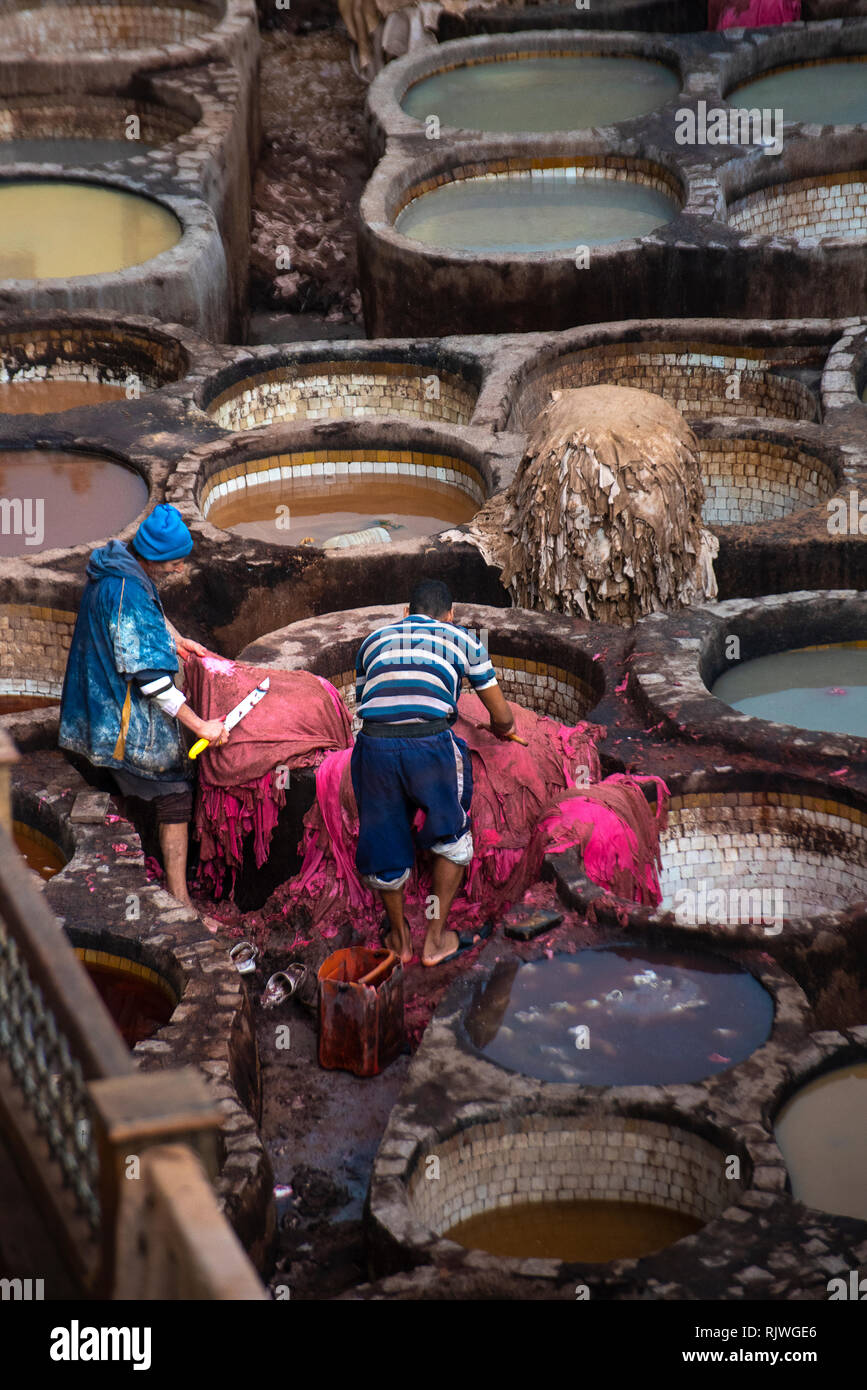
point(173, 844)
point(446, 881)
point(397, 938)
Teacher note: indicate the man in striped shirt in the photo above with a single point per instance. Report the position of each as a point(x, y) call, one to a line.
point(406, 757)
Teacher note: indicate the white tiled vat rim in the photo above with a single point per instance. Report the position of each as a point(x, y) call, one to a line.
point(564, 1158)
point(769, 852)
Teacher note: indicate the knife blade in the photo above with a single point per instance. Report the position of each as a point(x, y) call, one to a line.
point(237, 714)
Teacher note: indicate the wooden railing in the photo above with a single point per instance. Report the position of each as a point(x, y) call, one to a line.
point(87, 1131)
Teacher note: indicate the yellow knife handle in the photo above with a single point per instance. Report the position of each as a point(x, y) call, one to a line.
point(198, 747)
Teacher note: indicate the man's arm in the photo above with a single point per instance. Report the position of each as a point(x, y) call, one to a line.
point(502, 722)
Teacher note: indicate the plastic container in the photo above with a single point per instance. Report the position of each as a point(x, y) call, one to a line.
point(374, 535)
point(361, 1025)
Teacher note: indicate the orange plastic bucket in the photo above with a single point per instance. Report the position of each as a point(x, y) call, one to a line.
point(361, 1026)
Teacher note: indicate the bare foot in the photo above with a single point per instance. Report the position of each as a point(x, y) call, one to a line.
point(400, 942)
point(448, 944)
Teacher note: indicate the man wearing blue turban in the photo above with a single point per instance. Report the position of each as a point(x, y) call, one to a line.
point(120, 706)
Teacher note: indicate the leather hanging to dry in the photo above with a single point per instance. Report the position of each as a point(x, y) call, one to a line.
point(603, 518)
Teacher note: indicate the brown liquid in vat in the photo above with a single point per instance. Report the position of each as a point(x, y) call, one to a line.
point(591, 1231)
point(54, 499)
point(55, 393)
point(46, 859)
point(20, 704)
point(407, 509)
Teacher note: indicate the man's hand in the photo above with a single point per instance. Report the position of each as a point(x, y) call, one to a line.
point(214, 730)
point(187, 648)
point(500, 730)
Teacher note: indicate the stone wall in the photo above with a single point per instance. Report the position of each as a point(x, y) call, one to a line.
point(748, 481)
point(833, 206)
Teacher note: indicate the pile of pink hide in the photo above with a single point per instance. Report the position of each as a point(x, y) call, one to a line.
point(751, 14)
point(300, 720)
point(525, 802)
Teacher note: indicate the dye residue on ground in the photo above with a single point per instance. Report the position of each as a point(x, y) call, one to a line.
point(620, 1017)
point(822, 688)
point(822, 1134)
point(406, 509)
point(590, 1231)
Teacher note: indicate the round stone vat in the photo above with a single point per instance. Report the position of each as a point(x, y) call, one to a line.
point(528, 206)
point(821, 1131)
point(761, 856)
point(53, 499)
point(34, 642)
point(55, 364)
point(624, 1015)
point(94, 27)
point(44, 839)
point(614, 1188)
point(317, 496)
point(538, 91)
point(357, 388)
point(39, 851)
point(140, 986)
point(84, 129)
point(822, 687)
point(823, 205)
point(826, 91)
point(53, 229)
point(691, 664)
point(697, 378)
point(750, 480)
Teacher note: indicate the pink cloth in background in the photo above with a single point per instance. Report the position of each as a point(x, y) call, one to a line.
point(751, 14)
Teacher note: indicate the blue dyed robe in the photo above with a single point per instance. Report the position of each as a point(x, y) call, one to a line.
point(121, 630)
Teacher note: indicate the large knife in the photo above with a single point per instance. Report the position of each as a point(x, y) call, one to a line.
point(236, 715)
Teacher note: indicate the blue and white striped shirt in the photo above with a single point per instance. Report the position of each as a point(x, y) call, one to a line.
point(412, 670)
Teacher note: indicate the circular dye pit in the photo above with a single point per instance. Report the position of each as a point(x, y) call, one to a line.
point(831, 205)
point(537, 210)
point(624, 1016)
point(593, 1232)
point(344, 390)
point(823, 93)
point(310, 499)
point(50, 394)
point(753, 480)
point(822, 1135)
point(70, 152)
point(694, 377)
point(138, 998)
point(56, 499)
point(82, 28)
point(581, 1189)
point(54, 230)
point(565, 92)
point(733, 858)
point(39, 852)
point(823, 688)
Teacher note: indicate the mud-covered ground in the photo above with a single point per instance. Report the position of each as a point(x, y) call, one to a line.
point(309, 180)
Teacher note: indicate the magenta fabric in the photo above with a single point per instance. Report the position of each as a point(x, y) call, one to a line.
point(752, 14)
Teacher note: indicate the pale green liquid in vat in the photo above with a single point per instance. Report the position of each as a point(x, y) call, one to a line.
point(823, 688)
point(511, 214)
point(538, 94)
point(824, 94)
point(822, 1134)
